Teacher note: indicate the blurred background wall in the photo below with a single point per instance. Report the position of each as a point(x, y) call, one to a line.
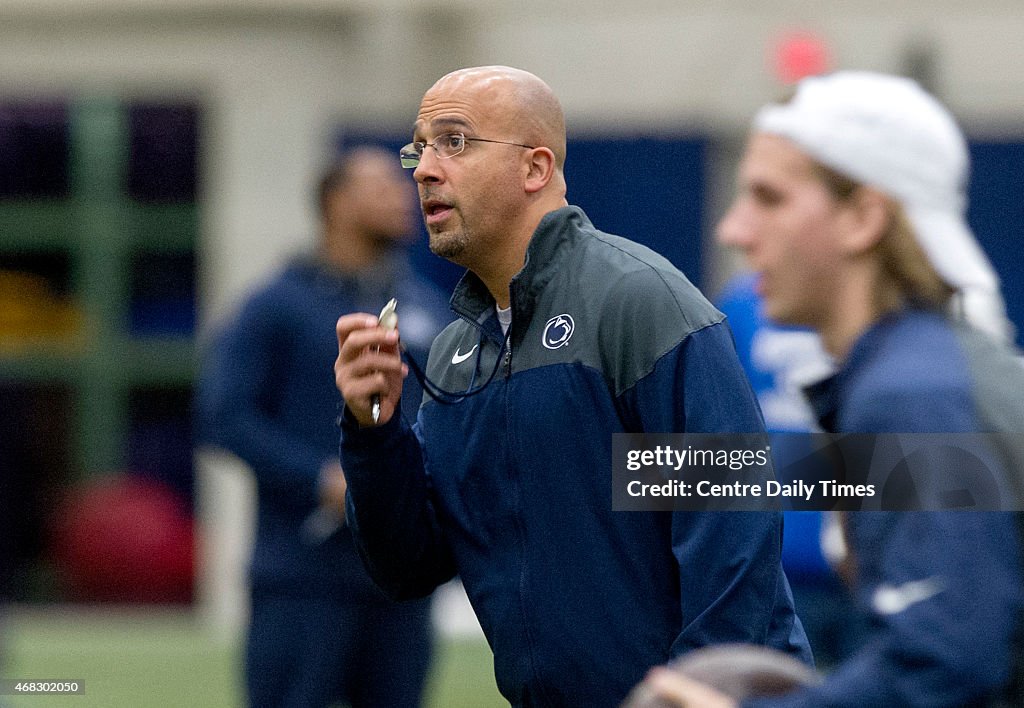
point(657, 94)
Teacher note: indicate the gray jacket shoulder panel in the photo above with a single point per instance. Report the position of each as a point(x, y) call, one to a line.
point(646, 307)
point(997, 376)
point(583, 297)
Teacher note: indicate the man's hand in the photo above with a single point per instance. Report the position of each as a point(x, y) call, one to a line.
point(368, 363)
point(678, 690)
point(324, 521)
point(332, 488)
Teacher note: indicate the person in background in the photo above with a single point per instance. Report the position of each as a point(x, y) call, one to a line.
point(850, 211)
point(320, 630)
point(566, 336)
point(780, 360)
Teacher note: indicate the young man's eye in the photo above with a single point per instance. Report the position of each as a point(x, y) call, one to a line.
point(766, 196)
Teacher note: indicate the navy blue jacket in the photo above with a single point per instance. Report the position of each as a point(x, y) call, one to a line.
point(267, 394)
point(943, 592)
point(512, 488)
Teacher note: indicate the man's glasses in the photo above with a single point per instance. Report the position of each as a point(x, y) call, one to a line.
point(447, 145)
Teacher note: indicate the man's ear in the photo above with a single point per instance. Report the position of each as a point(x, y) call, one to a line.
point(866, 218)
point(540, 168)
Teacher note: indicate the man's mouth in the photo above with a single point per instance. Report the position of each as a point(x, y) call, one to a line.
point(435, 211)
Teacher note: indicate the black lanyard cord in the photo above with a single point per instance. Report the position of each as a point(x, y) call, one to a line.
point(451, 397)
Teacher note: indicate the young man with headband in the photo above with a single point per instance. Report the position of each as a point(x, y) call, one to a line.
point(850, 210)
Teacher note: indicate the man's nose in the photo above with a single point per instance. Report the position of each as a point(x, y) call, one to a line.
point(429, 168)
point(734, 230)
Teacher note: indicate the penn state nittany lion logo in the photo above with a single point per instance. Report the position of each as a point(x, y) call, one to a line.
point(558, 331)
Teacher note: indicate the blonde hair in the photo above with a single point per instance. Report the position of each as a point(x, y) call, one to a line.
point(907, 276)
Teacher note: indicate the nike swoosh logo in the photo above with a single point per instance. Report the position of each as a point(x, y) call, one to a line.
point(458, 358)
point(889, 600)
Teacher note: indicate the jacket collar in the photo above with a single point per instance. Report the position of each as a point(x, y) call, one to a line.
point(557, 231)
point(826, 396)
point(823, 397)
point(373, 283)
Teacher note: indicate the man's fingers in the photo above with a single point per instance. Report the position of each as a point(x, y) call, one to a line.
point(369, 366)
point(359, 389)
point(683, 691)
point(369, 361)
point(347, 324)
point(359, 331)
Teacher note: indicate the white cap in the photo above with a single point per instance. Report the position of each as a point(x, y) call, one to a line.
point(887, 132)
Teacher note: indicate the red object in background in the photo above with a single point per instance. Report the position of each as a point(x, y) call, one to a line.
point(799, 54)
point(124, 538)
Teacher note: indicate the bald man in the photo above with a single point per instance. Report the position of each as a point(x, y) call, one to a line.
point(319, 631)
point(566, 336)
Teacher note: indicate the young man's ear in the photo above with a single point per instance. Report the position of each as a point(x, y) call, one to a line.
point(865, 220)
point(539, 169)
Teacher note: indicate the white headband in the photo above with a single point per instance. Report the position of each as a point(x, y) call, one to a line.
point(886, 132)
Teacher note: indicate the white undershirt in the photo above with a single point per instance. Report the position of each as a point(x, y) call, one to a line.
point(504, 318)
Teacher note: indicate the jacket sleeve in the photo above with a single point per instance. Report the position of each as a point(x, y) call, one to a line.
point(233, 408)
point(943, 610)
point(390, 511)
point(732, 587)
point(941, 589)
